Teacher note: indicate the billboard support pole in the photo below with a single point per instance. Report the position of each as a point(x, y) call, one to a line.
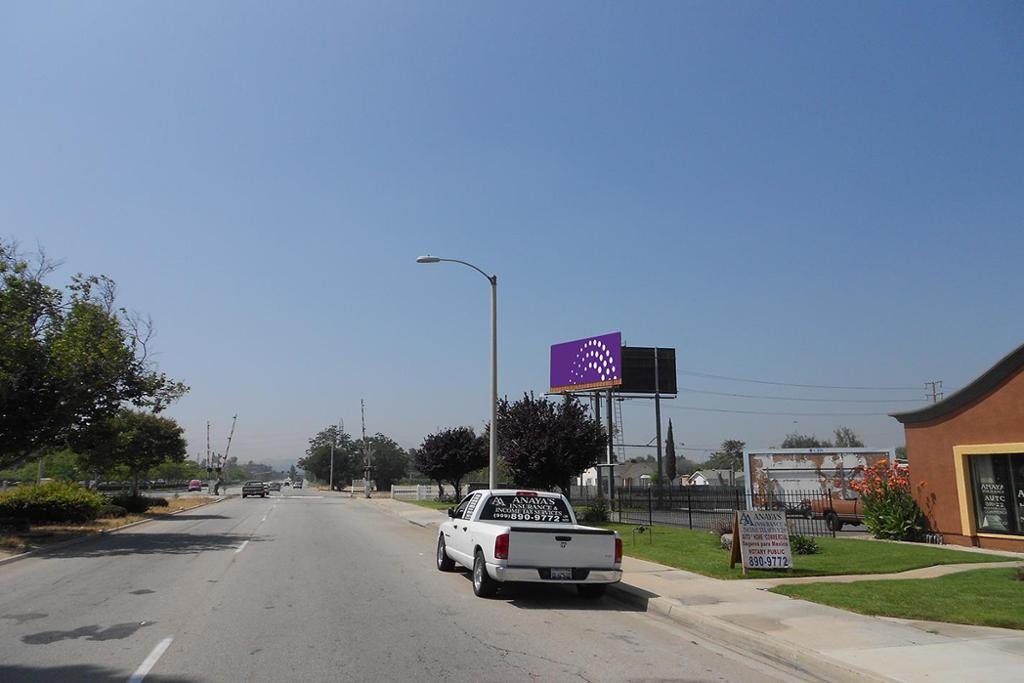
point(657, 416)
point(597, 417)
point(611, 446)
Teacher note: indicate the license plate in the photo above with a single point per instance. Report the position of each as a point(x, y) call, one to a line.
point(561, 574)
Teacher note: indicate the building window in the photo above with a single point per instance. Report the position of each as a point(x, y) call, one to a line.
point(997, 482)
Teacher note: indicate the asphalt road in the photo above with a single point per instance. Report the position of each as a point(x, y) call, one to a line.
point(309, 587)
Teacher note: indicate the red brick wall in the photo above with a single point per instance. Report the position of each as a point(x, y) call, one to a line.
point(997, 418)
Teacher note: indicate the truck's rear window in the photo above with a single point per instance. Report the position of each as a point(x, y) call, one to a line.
point(526, 509)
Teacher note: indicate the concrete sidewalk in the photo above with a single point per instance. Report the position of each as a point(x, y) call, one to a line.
point(823, 642)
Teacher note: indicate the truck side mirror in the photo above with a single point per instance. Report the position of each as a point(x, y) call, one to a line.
point(451, 512)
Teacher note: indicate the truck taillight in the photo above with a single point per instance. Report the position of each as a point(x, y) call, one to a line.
point(618, 550)
point(501, 547)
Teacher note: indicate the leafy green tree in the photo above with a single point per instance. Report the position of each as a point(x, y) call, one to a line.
point(449, 455)
point(292, 472)
point(728, 457)
point(546, 444)
point(134, 439)
point(796, 440)
point(390, 461)
point(348, 457)
point(685, 466)
point(846, 438)
point(670, 455)
point(63, 465)
point(69, 358)
point(175, 471)
point(901, 453)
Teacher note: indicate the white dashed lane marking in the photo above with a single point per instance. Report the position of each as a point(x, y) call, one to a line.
point(151, 660)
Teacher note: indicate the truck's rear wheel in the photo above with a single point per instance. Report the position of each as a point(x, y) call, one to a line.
point(591, 590)
point(483, 585)
point(444, 563)
point(833, 521)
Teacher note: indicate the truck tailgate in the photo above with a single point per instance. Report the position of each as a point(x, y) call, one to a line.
point(546, 546)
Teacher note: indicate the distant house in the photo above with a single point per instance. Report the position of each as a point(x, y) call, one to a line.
point(626, 474)
point(715, 478)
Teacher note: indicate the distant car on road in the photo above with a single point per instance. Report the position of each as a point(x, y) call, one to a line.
point(298, 484)
point(837, 510)
point(253, 488)
point(195, 485)
point(275, 486)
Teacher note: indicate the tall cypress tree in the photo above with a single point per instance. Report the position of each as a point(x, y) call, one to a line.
point(670, 455)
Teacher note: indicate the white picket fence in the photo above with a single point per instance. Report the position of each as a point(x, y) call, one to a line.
point(419, 491)
point(416, 492)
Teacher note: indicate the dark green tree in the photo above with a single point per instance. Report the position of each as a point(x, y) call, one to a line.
point(728, 457)
point(846, 438)
point(670, 455)
point(69, 358)
point(389, 460)
point(348, 458)
point(546, 444)
point(134, 439)
point(796, 440)
point(449, 455)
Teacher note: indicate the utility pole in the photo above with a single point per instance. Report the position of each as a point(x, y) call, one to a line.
point(657, 417)
point(934, 390)
point(210, 486)
point(368, 466)
point(334, 442)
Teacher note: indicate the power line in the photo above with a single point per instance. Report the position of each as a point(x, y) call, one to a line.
point(792, 398)
point(765, 412)
point(792, 384)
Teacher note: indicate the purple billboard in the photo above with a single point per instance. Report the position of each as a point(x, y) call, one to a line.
point(590, 363)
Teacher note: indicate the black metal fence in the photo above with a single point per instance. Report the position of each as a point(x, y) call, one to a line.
point(711, 507)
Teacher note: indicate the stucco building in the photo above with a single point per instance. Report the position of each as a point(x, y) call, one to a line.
point(968, 450)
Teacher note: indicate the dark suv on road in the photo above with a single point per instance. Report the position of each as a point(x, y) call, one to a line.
point(253, 488)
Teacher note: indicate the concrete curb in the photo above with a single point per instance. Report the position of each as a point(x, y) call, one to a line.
point(731, 636)
point(746, 641)
point(97, 534)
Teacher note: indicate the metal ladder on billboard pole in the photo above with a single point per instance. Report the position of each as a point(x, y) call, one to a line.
point(620, 436)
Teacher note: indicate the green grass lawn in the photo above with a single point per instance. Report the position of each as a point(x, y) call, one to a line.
point(432, 504)
point(985, 597)
point(698, 551)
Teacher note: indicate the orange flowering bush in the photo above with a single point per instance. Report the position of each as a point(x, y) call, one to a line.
point(890, 510)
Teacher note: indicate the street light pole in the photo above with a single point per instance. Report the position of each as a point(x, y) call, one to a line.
point(492, 474)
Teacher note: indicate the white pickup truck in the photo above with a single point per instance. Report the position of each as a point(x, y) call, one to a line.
point(529, 536)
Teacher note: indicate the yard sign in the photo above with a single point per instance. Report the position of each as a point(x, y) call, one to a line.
point(761, 540)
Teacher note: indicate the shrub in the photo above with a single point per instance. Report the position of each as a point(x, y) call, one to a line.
point(803, 545)
point(13, 524)
point(138, 504)
point(594, 513)
point(52, 501)
point(890, 510)
point(112, 511)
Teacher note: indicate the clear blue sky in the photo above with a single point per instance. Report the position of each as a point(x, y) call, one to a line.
point(802, 192)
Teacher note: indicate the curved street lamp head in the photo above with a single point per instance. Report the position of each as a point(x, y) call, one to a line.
point(427, 259)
